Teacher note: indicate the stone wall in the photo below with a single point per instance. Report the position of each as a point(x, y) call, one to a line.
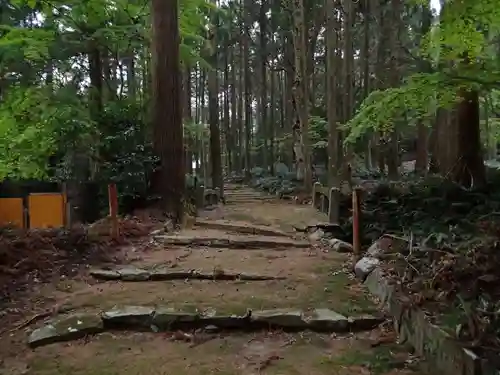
point(413, 326)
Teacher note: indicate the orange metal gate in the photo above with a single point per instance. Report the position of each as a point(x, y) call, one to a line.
point(12, 212)
point(46, 210)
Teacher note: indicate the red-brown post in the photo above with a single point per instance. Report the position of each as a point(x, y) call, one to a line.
point(356, 235)
point(113, 210)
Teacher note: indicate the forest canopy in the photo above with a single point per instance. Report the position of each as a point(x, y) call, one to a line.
point(77, 80)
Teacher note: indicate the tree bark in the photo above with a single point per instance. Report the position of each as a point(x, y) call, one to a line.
point(301, 97)
point(264, 126)
point(213, 120)
point(248, 85)
point(334, 146)
point(470, 171)
point(166, 101)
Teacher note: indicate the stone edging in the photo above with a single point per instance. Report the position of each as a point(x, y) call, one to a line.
point(163, 274)
point(412, 325)
point(144, 319)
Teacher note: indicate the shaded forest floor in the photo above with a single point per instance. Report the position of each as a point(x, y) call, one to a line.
point(310, 277)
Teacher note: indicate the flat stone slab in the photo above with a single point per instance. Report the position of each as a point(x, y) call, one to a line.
point(131, 273)
point(241, 227)
point(283, 318)
point(164, 274)
point(128, 275)
point(233, 242)
point(65, 329)
point(164, 318)
point(129, 316)
point(326, 320)
point(212, 318)
point(104, 274)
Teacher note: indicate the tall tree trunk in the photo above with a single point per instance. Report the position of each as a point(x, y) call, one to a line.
point(202, 144)
point(421, 161)
point(241, 97)
point(96, 104)
point(166, 101)
point(334, 146)
point(234, 115)
point(381, 72)
point(470, 169)
point(96, 86)
point(225, 112)
point(288, 94)
point(393, 160)
point(263, 76)
point(213, 114)
point(365, 58)
point(348, 92)
point(131, 79)
point(301, 97)
point(188, 144)
point(248, 87)
point(272, 121)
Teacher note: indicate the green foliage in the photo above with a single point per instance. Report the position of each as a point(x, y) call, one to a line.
point(123, 23)
point(459, 49)
point(41, 121)
point(34, 43)
point(33, 124)
point(126, 150)
point(318, 132)
point(193, 130)
point(418, 98)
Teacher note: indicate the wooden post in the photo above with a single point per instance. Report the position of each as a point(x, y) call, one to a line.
point(66, 207)
point(356, 235)
point(316, 195)
point(113, 210)
point(323, 204)
point(333, 206)
point(200, 197)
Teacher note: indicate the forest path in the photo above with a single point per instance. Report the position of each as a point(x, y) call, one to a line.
point(308, 278)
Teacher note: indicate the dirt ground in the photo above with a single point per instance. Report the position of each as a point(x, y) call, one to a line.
point(312, 278)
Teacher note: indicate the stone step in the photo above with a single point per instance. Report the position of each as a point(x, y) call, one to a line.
point(240, 227)
point(232, 242)
point(131, 273)
point(162, 318)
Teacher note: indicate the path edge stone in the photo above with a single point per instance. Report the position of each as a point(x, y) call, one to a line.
point(444, 353)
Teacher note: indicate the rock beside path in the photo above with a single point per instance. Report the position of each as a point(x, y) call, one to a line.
point(340, 246)
point(365, 266)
